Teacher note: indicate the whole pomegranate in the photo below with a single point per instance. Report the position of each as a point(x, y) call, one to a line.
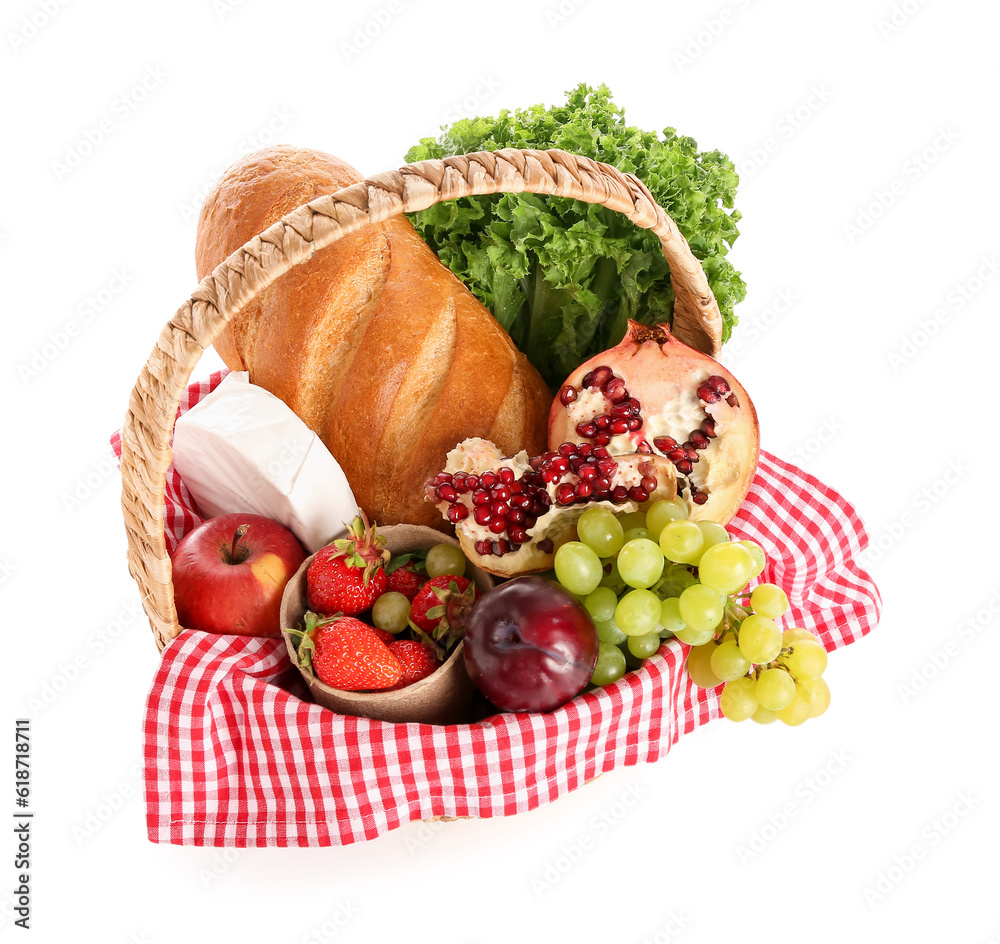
point(511, 514)
point(652, 394)
point(530, 646)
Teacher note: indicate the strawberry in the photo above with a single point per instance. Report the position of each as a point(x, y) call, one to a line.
point(348, 575)
point(417, 659)
point(382, 634)
point(345, 653)
point(406, 580)
point(440, 608)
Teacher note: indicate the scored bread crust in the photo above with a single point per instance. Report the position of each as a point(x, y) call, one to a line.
point(377, 346)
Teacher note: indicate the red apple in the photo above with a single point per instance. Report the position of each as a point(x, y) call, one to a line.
point(229, 574)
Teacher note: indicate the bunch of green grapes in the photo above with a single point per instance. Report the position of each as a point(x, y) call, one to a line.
point(647, 577)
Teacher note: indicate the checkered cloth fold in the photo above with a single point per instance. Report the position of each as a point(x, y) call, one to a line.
point(235, 757)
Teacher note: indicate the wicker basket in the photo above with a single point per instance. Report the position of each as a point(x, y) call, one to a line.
point(148, 426)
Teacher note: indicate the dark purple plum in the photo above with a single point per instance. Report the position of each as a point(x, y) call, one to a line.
point(530, 646)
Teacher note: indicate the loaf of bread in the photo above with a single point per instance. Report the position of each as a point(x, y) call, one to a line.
point(372, 342)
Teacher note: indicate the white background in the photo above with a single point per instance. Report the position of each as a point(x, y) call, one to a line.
point(870, 249)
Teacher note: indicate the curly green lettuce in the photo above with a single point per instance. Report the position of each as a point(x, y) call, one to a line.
point(562, 276)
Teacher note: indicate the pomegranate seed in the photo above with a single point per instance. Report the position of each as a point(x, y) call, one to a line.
point(708, 427)
point(684, 467)
point(460, 482)
point(484, 548)
point(621, 410)
point(638, 493)
point(501, 493)
point(733, 401)
point(607, 467)
point(545, 546)
point(447, 493)
point(587, 430)
point(560, 465)
point(679, 454)
point(598, 377)
point(497, 525)
point(458, 512)
point(482, 515)
point(692, 453)
point(567, 449)
point(648, 483)
point(441, 478)
point(602, 439)
point(584, 490)
point(634, 423)
point(480, 497)
point(520, 501)
point(601, 485)
point(719, 385)
point(473, 482)
point(515, 516)
point(585, 449)
point(602, 453)
point(500, 548)
point(618, 427)
point(645, 448)
point(699, 498)
point(499, 509)
point(699, 440)
point(507, 475)
point(619, 494)
point(567, 395)
point(529, 522)
point(602, 421)
point(615, 390)
point(588, 473)
point(707, 394)
point(543, 499)
point(665, 443)
point(565, 494)
point(535, 462)
point(550, 475)
point(518, 535)
point(488, 479)
point(577, 463)
point(635, 404)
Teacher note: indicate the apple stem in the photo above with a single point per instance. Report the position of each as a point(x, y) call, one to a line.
point(239, 554)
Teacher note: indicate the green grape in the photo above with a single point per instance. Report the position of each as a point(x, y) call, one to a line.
point(695, 637)
point(775, 689)
point(757, 553)
point(797, 710)
point(610, 665)
point(660, 513)
point(682, 541)
point(632, 519)
point(738, 700)
point(391, 612)
point(644, 646)
point(760, 639)
point(699, 666)
point(670, 615)
point(638, 612)
point(728, 662)
point(763, 715)
point(578, 568)
point(631, 661)
point(798, 634)
point(609, 631)
point(819, 696)
point(768, 599)
point(634, 533)
point(601, 531)
point(700, 607)
point(725, 567)
point(612, 576)
point(807, 660)
point(713, 534)
point(640, 562)
point(601, 603)
point(445, 559)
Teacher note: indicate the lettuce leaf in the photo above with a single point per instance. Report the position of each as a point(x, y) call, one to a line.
point(562, 276)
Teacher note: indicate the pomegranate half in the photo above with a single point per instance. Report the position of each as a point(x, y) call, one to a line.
point(511, 514)
point(654, 395)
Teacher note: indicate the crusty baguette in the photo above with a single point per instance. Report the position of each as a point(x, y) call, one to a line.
point(373, 342)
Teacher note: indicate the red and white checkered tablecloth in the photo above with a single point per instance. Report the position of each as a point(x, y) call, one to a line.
point(234, 757)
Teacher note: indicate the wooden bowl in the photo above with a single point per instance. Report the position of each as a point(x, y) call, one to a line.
point(444, 697)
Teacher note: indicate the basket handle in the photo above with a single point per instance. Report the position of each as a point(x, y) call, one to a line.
point(154, 401)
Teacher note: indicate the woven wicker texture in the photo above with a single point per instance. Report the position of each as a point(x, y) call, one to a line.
point(148, 425)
